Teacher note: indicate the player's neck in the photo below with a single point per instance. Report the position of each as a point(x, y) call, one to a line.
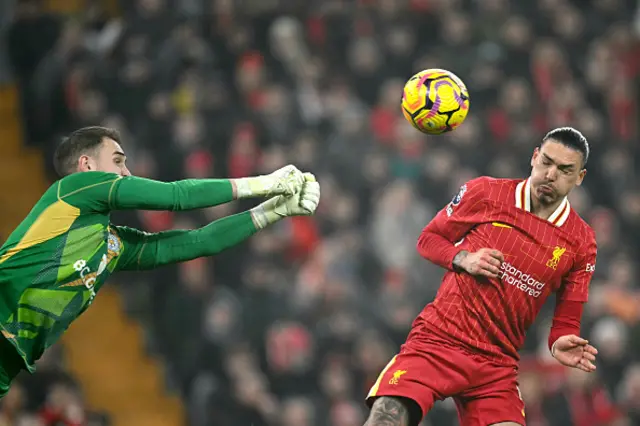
point(541, 210)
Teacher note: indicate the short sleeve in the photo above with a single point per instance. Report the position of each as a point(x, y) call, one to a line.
point(463, 212)
point(88, 191)
point(575, 287)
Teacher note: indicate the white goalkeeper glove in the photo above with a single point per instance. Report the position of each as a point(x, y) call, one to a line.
point(303, 203)
point(285, 181)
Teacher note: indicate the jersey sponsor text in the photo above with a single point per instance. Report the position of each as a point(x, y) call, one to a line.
point(524, 282)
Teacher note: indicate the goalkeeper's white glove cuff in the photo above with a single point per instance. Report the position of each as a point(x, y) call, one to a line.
point(303, 203)
point(264, 216)
point(285, 181)
point(250, 187)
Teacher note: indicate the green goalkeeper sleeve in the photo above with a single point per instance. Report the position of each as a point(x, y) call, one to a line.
point(102, 192)
point(143, 250)
point(56, 261)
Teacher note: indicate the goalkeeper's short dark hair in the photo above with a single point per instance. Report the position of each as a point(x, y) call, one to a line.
point(80, 142)
point(572, 138)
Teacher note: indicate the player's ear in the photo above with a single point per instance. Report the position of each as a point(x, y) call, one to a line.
point(581, 176)
point(85, 164)
point(536, 152)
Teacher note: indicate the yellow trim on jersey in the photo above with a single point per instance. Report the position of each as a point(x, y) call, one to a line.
point(60, 197)
point(501, 225)
point(54, 221)
point(376, 385)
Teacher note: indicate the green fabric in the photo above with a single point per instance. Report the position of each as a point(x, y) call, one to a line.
point(58, 258)
point(10, 365)
point(148, 251)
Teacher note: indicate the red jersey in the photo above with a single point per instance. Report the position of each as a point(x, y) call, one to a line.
point(491, 316)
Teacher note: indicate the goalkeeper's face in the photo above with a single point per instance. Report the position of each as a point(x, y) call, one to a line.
point(556, 170)
point(110, 158)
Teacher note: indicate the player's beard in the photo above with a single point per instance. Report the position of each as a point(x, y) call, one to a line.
point(546, 194)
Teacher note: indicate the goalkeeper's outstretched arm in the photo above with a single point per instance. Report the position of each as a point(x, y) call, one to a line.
point(144, 251)
point(104, 192)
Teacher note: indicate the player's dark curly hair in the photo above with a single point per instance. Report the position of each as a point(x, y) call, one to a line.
point(572, 138)
point(84, 141)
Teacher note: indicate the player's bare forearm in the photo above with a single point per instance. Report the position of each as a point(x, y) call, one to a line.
point(388, 411)
point(458, 260)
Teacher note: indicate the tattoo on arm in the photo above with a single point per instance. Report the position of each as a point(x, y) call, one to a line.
point(457, 260)
point(388, 411)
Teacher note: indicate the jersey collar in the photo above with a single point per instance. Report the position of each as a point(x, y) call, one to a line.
point(523, 201)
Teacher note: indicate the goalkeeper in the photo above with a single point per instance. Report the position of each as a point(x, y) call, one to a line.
point(58, 258)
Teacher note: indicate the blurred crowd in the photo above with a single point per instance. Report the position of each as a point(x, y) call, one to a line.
point(51, 397)
point(292, 328)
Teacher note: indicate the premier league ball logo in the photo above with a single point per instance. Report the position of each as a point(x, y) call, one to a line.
point(456, 200)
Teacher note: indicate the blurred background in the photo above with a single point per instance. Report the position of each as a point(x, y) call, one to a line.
point(292, 328)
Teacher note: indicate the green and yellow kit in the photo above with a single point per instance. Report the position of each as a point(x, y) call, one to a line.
point(55, 262)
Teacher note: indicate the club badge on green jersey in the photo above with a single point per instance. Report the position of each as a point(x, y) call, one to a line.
point(113, 243)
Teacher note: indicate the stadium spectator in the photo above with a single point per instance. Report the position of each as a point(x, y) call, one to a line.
point(292, 328)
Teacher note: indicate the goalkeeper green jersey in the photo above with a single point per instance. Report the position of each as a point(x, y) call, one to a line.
point(54, 264)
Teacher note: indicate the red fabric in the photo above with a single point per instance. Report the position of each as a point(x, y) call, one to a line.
point(244, 155)
point(421, 6)
point(623, 113)
point(491, 316)
point(630, 61)
point(72, 93)
point(199, 163)
point(429, 369)
point(543, 79)
point(592, 407)
point(256, 99)
point(566, 320)
point(157, 221)
point(540, 123)
point(241, 166)
point(317, 30)
point(436, 243)
point(535, 414)
point(252, 60)
point(53, 417)
point(305, 236)
point(383, 123)
point(288, 347)
point(437, 249)
point(395, 279)
point(499, 126)
point(563, 115)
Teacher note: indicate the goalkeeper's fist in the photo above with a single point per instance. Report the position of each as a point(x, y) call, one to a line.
point(303, 203)
point(285, 181)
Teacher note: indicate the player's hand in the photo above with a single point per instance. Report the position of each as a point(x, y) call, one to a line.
point(576, 352)
point(484, 262)
point(303, 203)
point(287, 181)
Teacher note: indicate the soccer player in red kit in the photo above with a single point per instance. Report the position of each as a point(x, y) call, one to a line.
point(507, 245)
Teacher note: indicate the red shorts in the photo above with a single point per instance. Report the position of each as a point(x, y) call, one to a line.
point(426, 371)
